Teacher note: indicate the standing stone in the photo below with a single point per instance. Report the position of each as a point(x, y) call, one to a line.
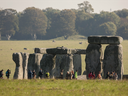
point(34, 62)
point(94, 55)
point(17, 58)
point(25, 57)
point(60, 64)
point(48, 64)
point(113, 57)
point(68, 64)
point(77, 63)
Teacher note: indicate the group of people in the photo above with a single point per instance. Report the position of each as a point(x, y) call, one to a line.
point(33, 75)
point(71, 75)
point(8, 72)
point(112, 75)
point(92, 75)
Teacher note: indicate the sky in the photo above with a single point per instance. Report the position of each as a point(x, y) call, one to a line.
point(98, 5)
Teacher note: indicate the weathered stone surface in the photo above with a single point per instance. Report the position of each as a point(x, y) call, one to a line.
point(25, 57)
point(93, 58)
point(105, 39)
point(113, 57)
point(17, 58)
point(34, 62)
point(68, 63)
point(59, 50)
point(48, 64)
point(21, 60)
point(40, 50)
point(77, 63)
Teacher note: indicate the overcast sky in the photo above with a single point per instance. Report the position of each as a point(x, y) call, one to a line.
point(98, 5)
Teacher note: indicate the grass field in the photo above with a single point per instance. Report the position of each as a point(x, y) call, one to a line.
point(53, 87)
point(7, 48)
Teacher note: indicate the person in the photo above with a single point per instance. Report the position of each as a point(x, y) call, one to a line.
point(108, 75)
point(116, 76)
point(67, 75)
point(99, 76)
point(61, 74)
point(73, 75)
point(76, 74)
point(1, 74)
point(34, 74)
point(29, 74)
point(40, 74)
point(8, 72)
point(90, 75)
point(47, 74)
point(93, 75)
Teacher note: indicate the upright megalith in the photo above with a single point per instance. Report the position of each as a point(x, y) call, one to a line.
point(93, 58)
point(113, 57)
point(17, 58)
point(47, 63)
point(25, 57)
point(21, 60)
point(34, 62)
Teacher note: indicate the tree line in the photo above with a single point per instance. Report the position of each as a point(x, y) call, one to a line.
point(34, 23)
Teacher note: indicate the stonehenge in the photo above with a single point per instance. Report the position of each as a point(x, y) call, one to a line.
point(56, 59)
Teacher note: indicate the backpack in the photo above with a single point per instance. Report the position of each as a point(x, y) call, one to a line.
point(6, 73)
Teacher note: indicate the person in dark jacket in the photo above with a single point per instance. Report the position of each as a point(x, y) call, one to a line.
point(40, 74)
point(29, 74)
point(8, 72)
point(1, 74)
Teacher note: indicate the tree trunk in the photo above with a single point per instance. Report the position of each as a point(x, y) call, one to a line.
point(8, 37)
point(66, 37)
point(0, 36)
point(34, 36)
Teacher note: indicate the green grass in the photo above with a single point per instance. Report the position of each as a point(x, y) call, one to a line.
point(47, 87)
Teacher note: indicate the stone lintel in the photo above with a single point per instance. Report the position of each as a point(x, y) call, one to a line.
point(105, 39)
point(59, 50)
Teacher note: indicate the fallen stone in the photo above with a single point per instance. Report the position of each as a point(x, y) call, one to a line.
point(105, 39)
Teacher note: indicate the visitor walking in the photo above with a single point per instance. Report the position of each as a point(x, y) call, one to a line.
point(99, 76)
point(40, 74)
point(47, 74)
point(76, 74)
point(34, 74)
point(90, 75)
point(8, 72)
point(61, 74)
point(29, 74)
point(1, 74)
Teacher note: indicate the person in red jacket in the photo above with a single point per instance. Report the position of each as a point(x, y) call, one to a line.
point(93, 75)
point(90, 75)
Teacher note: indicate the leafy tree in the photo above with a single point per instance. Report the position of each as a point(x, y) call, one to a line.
point(33, 21)
point(81, 18)
point(86, 7)
point(62, 24)
point(9, 22)
point(122, 13)
point(108, 28)
point(123, 28)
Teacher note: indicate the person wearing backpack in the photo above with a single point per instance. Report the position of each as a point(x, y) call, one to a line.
point(8, 72)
